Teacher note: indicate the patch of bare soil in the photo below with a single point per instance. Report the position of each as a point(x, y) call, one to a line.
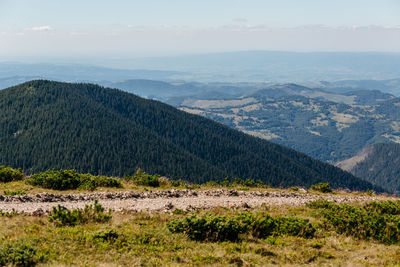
point(166, 200)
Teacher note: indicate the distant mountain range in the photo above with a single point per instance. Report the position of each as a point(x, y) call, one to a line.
point(46, 125)
point(231, 67)
point(326, 125)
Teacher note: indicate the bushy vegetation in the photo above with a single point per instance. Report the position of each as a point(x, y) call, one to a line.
point(208, 227)
point(142, 178)
point(8, 174)
point(19, 254)
point(322, 187)
point(376, 220)
point(61, 216)
point(212, 227)
point(70, 179)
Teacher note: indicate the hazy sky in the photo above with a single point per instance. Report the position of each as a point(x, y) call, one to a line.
point(117, 28)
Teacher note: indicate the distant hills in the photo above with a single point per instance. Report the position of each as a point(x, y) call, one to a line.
point(379, 164)
point(269, 67)
point(46, 125)
point(326, 125)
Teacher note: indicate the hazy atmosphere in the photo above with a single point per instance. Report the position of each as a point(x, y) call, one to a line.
point(80, 31)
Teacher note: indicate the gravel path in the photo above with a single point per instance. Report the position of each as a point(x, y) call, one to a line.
point(164, 200)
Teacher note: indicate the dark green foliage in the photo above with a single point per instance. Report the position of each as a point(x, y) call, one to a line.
point(58, 180)
point(294, 226)
point(264, 225)
point(51, 125)
point(70, 179)
point(384, 207)
point(322, 187)
point(19, 254)
point(91, 182)
point(212, 227)
point(61, 216)
point(8, 174)
point(208, 227)
point(377, 220)
point(106, 235)
point(142, 178)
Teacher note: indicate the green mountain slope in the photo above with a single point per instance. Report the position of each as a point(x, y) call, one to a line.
point(93, 129)
point(379, 164)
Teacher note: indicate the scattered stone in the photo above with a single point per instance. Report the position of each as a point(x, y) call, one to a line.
point(169, 206)
point(39, 212)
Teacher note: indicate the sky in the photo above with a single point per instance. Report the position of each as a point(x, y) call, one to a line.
point(118, 28)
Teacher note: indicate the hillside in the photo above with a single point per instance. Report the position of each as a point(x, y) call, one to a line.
point(93, 129)
point(327, 126)
point(379, 164)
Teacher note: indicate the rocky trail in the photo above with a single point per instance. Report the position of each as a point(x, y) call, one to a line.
point(159, 201)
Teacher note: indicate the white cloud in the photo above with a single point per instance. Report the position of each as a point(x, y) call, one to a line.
point(40, 28)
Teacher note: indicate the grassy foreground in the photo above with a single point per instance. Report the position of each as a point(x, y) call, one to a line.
point(320, 233)
point(143, 239)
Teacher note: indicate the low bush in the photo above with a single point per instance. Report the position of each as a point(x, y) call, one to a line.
point(61, 216)
point(266, 225)
point(142, 178)
point(376, 220)
point(106, 236)
point(208, 227)
point(13, 192)
point(92, 182)
point(8, 174)
point(178, 183)
point(18, 253)
point(322, 187)
point(384, 207)
point(211, 227)
point(70, 179)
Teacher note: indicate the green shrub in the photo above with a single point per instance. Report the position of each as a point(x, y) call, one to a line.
point(322, 187)
point(207, 227)
point(8, 174)
point(211, 227)
point(13, 192)
point(142, 178)
point(384, 207)
point(70, 179)
point(61, 216)
point(265, 225)
point(19, 253)
point(376, 220)
point(294, 226)
point(58, 180)
point(91, 182)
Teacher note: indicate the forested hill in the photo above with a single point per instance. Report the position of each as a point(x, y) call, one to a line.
point(379, 164)
point(46, 125)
